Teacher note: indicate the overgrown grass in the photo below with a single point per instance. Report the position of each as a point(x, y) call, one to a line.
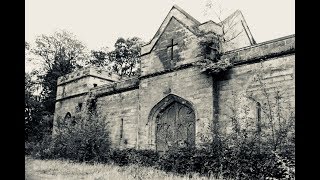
point(36, 169)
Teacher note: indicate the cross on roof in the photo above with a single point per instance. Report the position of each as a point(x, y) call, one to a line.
point(171, 45)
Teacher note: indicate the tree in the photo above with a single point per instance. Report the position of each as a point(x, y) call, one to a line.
point(35, 127)
point(60, 53)
point(125, 57)
point(99, 58)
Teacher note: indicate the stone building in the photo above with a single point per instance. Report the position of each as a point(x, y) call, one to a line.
point(173, 101)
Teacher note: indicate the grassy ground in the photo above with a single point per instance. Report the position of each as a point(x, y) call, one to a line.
point(63, 170)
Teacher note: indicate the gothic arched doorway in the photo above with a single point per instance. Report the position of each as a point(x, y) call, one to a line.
point(175, 124)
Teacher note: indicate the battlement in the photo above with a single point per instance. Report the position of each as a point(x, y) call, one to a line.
point(88, 71)
point(116, 87)
point(81, 81)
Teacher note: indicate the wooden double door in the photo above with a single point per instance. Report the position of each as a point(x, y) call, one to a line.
point(175, 127)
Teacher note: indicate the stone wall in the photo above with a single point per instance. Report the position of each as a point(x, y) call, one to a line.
point(177, 13)
point(261, 71)
point(186, 51)
point(69, 105)
point(81, 81)
point(188, 84)
point(130, 101)
point(118, 107)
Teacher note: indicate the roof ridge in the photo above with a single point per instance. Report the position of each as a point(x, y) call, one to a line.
point(181, 11)
point(231, 16)
point(180, 22)
point(210, 21)
point(185, 13)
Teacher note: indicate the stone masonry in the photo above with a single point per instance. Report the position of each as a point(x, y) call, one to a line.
point(134, 107)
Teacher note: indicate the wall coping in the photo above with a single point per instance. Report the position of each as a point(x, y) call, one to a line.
point(116, 87)
point(87, 72)
point(262, 51)
point(292, 36)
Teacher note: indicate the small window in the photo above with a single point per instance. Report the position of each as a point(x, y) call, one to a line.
point(67, 116)
point(95, 85)
point(80, 106)
point(121, 129)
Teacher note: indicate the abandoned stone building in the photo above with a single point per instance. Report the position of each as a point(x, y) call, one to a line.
point(172, 100)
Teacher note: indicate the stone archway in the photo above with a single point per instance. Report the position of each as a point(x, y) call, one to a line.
point(174, 120)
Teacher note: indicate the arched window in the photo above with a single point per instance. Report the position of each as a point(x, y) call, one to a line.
point(69, 119)
point(67, 116)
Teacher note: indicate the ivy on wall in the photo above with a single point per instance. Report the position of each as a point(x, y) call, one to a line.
point(212, 62)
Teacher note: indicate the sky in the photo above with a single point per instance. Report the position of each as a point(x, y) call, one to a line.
point(98, 23)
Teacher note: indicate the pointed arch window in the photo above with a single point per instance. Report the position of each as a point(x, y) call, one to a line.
point(67, 116)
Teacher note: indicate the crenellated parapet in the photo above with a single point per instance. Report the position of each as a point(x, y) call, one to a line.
point(79, 82)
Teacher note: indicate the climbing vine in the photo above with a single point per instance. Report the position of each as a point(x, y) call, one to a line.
point(212, 63)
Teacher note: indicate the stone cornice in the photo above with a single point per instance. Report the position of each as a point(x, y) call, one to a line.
point(116, 87)
point(265, 50)
point(72, 96)
point(84, 76)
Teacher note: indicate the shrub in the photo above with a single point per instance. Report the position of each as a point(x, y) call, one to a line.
point(84, 139)
point(120, 157)
point(41, 149)
point(144, 157)
point(132, 156)
point(88, 140)
point(177, 160)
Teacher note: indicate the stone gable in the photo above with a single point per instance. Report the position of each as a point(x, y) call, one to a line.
point(185, 49)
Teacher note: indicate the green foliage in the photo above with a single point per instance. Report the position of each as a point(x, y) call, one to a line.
point(132, 156)
point(214, 67)
point(61, 53)
point(125, 57)
point(85, 140)
point(37, 124)
point(212, 62)
point(99, 58)
point(177, 160)
point(144, 157)
point(40, 149)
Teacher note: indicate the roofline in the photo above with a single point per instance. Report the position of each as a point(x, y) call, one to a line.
point(244, 20)
point(262, 43)
point(190, 29)
point(179, 9)
point(230, 16)
point(210, 21)
point(187, 14)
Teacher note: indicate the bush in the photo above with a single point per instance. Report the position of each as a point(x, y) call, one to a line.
point(41, 149)
point(132, 156)
point(144, 157)
point(87, 140)
point(243, 162)
point(120, 157)
point(179, 160)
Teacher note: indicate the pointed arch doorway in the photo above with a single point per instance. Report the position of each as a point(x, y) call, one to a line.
point(174, 120)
